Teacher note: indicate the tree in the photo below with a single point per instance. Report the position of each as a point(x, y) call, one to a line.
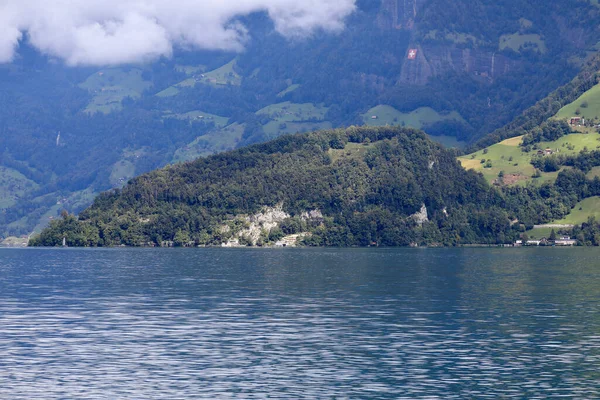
point(552, 235)
point(181, 239)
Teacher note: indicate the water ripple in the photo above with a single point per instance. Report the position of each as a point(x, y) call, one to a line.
point(309, 324)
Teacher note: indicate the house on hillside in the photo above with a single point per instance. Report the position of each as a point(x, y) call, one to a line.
point(545, 152)
point(577, 121)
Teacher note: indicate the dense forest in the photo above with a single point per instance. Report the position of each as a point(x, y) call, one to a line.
point(368, 186)
point(67, 134)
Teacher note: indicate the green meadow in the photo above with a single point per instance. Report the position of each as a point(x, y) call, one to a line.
point(13, 185)
point(289, 89)
point(519, 41)
point(110, 86)
point(586, 208)
point(224, 75)
point(586, 106)
point(216, 141)
point(419, 118)
point(202, 116)
point(508, 158)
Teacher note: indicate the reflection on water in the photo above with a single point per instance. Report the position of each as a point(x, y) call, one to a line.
point(214, 323)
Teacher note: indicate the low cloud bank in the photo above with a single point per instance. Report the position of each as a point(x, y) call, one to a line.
point(109, 32)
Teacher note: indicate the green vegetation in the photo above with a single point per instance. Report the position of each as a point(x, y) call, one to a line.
point(110, 86)
point(519, 42)
point(506, 156)
point(345, 74)
point(384, 186)
point(539, 233)
point(448, 141)
point(452, 37)
point(220, 140)
point(419, 118)
point(546, 108)
point(13, 185)
point(586, 208)
point(594, 172)
point(122, 171)
point(367, 183)
point(291, 112)
point(289, 89)
point(191, 69)
point(510, 157)
point(274, 128)
point(219, 121)
point(168, 92)
point(587, 106)
point(289, 117)
point(224, 75)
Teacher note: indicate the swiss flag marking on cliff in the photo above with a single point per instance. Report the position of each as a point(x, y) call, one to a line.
point(412, 54)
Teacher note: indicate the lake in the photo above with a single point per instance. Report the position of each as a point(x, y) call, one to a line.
point(299, 323)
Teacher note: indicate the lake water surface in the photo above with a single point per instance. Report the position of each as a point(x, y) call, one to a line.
point(299, 323)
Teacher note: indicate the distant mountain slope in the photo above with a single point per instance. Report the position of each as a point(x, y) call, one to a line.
point(477, 66)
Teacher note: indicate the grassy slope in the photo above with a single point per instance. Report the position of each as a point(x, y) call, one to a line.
point(202, 116)
point(418, 118)
point(290, 117)
point(290, 89)
point(591, 97)
point(190, 69)
point(589, 207)
point(586, 208)
point(13, 185)
point(500, 156)
point(516, 41)
point(220, 140)
point(293, 112)
point(224, 75)
point(221, 76)
point(505, 156)
point(110, 86)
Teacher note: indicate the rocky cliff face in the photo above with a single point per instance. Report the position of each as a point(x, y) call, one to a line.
point(263, 222)
point(437, 59)
point(398, 14)
point(433, 60)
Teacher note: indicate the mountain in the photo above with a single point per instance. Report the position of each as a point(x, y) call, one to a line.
point(69, 133)
point(359, 186)
point(355, 187)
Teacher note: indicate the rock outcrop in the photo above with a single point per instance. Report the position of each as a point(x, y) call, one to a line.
point(398, 14)
point(420, 217)
point(433, 60)
point(263, 223)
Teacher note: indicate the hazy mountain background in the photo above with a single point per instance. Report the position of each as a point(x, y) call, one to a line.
point(98, 94)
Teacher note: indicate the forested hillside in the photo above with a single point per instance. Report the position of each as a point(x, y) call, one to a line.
point(380, 186)
point(69, 133)
point(354, 187)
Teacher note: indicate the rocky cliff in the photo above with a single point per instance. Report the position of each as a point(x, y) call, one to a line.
point(433, 60)
point(398, 14)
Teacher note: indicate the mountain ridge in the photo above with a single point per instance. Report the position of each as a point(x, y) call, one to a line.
point(114, 126)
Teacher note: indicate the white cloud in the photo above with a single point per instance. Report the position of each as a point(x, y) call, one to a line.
point(101, 32)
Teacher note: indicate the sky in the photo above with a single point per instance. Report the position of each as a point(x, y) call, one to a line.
point(111, 32)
